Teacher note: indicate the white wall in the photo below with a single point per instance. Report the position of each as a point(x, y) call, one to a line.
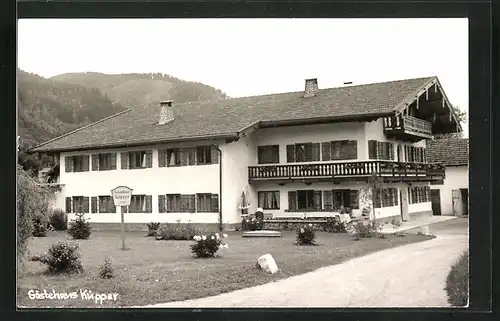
point(456, 177)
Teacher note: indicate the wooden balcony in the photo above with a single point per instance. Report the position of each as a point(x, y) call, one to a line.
point(388, 170)
point(407, 128)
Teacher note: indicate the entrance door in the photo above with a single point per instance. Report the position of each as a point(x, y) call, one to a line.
point(465, 200)
point(436, 202)
point(458, 207)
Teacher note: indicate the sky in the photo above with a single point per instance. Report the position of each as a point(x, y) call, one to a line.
point(245, 57)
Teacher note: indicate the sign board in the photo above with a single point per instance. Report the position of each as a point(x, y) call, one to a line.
point(121, 195)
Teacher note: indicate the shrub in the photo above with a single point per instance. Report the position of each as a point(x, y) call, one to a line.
point(457, 282)
point(177, 232)
point(62, 257)
point(153, 228)
point(365, 230)
point(306, 235)
point(40, 226)
point(106, 270)
point(208, 245)
point(59, 220)
point(31, 201)
point(252, 224)
point(79, 228)
point(333, 224)
point(395, 223)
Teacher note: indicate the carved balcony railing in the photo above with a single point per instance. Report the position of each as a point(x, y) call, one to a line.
point(346, 170)
point(407, 125)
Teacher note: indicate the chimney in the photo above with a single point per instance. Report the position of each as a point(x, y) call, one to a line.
point(311, 87)
point(166, 112)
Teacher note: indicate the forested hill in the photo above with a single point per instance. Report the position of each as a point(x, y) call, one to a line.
point(139, 89)
point(47, 109)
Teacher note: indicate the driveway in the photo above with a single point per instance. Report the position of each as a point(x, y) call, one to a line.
point(408, 276)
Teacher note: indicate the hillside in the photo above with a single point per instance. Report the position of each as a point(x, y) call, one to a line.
point(138, 89)
point(47, 109)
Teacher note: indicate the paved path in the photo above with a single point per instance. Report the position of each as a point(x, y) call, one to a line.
point(408, 276)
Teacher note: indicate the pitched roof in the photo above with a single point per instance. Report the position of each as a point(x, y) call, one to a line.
point(227, 117)
point(448, 151)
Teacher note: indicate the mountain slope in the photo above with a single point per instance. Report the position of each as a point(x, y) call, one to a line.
point(139, 89)
point(47, 109)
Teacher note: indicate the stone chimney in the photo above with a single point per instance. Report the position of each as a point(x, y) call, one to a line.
point(166, 112)
point(311, 87)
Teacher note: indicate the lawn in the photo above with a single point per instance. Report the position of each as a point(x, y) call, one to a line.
point(163, 271)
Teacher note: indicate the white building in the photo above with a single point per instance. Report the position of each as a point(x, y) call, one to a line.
point(295, 154)
point(451, 195)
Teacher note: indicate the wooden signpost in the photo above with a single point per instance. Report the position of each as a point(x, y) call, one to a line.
point(121, 197)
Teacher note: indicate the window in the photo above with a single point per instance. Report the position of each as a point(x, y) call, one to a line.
point(303, 152)
point(419, 194)
point(346, 198)
point(77, 163)
point(106, 204)
point(415, 154)
point(180, 203)
point(77, 204)
point(140, 204)
point(268, 154)
point(304, 200)
point(380, 150)
point(177, 157)
point(104, 162)
point(269, 200)
point(207, 202)
point(203, 155)
point(339, 150)
point(137, 159)
point(385, 197)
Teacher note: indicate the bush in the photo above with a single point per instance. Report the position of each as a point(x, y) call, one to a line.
point(306, 235)
point(178, 232)
point(31, 201)
point(106, 270)
point(208, 245)
point(457, 282)
point(333, 224)
point(79, 228)
point(59, 220)
point(365, 230)
point(63, 257)
point(252, 224)
point(40, 226)
point(153, 228)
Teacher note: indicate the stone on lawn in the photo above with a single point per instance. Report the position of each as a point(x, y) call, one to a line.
point(267, 263)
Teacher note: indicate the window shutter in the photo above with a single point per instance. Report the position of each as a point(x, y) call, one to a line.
point(424, 155)
point(95, 162)
point(315, 152)
point(113, 160)
point(192, 155)
point(214, 203)
point(124, 160)
point(86, 161)
point(352, 147)
point(93, 204)
point(290, 153)
point(85, 204)
point(325, 151)
point(68, 164)
point(391, 150)
point(328, 200)
point(149, 203)
point(161, 158)
point(68, 205)
point(317, 200)
point(292, 203)
point(149, 158)
point(353, 195)
point(372, 149)
point(161, 203)
point(214, 153)
point(183, 155)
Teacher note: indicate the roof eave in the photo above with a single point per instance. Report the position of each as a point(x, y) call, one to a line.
point(322, 120)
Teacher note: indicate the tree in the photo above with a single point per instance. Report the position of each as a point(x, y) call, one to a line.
point(462, 119)
point(375, 182)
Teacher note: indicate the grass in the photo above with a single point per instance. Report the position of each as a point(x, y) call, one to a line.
point(162, 271)
point(457, 282)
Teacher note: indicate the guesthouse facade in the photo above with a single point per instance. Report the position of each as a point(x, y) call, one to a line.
point(307, 153)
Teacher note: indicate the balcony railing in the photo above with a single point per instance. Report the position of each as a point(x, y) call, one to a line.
point(345, 170)
point(408, 125)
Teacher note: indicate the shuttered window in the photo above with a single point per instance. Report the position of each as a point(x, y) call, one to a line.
point(140, 204)
point(177, 203)
point(104, 162)
point(386, 197)
point(380, 150)
point(268, 154)
point(80, 204)
point(162, 204)
point(207, 202)
point(140, 159)
point(106, 204)
point(77, 163)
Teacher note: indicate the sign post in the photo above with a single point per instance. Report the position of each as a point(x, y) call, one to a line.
point(121, 197)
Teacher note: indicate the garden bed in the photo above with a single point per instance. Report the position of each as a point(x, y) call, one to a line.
point(163, 271)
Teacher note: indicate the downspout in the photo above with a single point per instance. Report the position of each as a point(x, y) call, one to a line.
point(220, 186)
